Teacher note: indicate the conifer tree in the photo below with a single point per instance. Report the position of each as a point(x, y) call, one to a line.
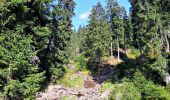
point(96, 43)
point(117, 26)
point(32, 44)
point(146, 21)
point(62, 14)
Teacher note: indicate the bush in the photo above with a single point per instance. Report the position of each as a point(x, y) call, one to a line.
point(107, 86)
point(155, 92)
point(72, 81)
point(133, 53)
point(125, 91)
point(81, 62)
point(148, 89)
point(168, 88)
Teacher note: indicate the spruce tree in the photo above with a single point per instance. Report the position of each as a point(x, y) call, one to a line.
point(33, 40)
point(97, 38)
point(61, 16)
point(117, 26)
point(146, 22)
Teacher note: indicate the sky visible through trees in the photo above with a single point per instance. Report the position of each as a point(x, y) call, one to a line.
point(115, 55)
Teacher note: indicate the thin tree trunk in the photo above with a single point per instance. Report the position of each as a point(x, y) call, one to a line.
point(125, 43)
point(115, 43)
point(111, 48)
point(140, 48)
point(118, 51)
point(167, 43)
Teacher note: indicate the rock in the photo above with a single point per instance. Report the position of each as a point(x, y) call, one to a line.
point(53, 96)
point(38, 95)
point(89, 84)
point(82, 98)
point(105, 95)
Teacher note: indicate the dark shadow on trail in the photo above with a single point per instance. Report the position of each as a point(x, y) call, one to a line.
point(104, 71)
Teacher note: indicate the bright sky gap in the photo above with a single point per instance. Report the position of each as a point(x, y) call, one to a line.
point(83, 8)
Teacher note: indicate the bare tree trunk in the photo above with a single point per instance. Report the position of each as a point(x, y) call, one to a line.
point(111, 48)
point(118, 51)
point(167, 43)
point(5, 98)
point(125, 43)
point(115, 43)
point(140, 48)
point(167, 79)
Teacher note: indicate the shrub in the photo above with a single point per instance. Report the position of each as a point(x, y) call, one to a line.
point(107, 86)
point(72, 81)
point(148, 89)
point(168, 88)
point(155, 92)
point(81, 62)
point(125, 91)
point(133, 53)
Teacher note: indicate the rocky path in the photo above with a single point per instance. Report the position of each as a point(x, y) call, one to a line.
point(89, 92)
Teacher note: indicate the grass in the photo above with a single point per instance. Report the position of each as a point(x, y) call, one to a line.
point(69, 98)
point(86, 72)
point(71, 80)
point(133, 53)
point(106, 86)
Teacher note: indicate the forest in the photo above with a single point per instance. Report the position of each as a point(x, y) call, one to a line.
point(117, 56)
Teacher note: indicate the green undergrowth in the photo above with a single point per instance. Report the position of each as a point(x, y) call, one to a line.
point(106, 86)
point(71, 79)
point(133, 53)
point(125, 91)
point(69, 98)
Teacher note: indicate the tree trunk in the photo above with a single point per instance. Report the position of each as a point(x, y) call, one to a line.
point(167, 79)
point(125, 44)
point(115, 43)
point(140, 48)
point(167, 43)
point(118, 51)
point(111, 48)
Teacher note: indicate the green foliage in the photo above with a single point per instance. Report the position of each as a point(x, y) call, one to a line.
point(72, 81)
point(36, 40)
point(154, 92)
point(81, 62)
point(19, 77)
point(25, 89)
point(125, 91)
point(31, 85)
point(96, 43)
point(148, 89)
point(139, 80)
point(69, 98)
point(160, 66)
point(133, 53)
point(33, 41)
point(168, 88)
point(107, 86)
